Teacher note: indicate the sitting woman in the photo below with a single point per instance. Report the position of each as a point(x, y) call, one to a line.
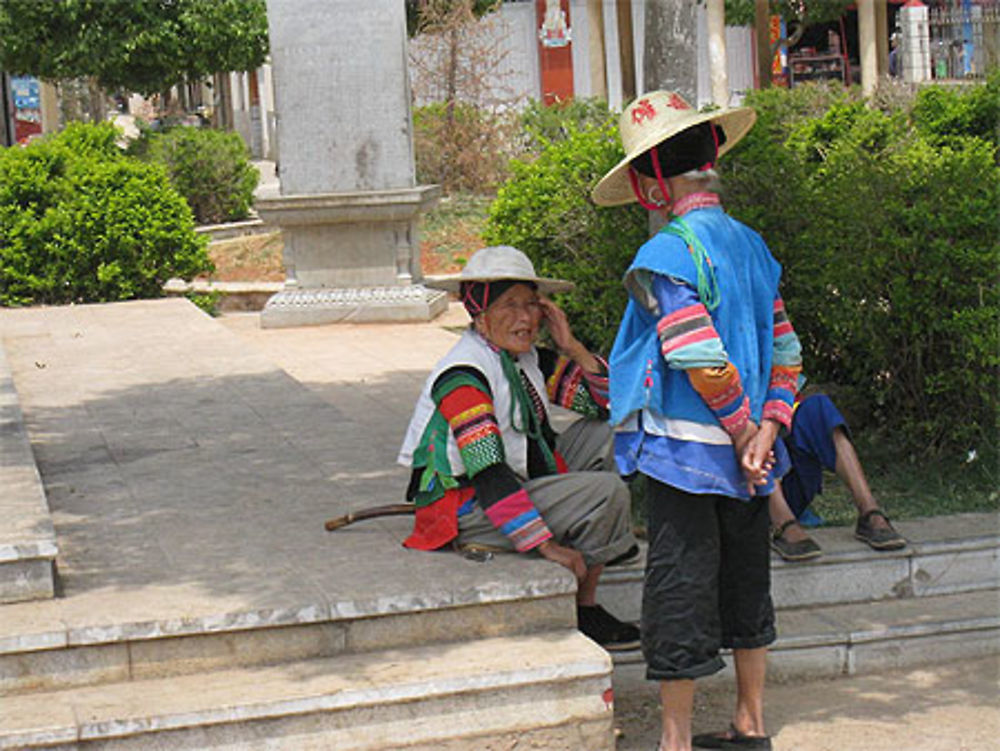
point(488, 468)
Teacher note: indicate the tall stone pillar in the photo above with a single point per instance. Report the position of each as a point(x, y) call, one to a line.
point(916, 49)
point(349, 205)
point(670, 57)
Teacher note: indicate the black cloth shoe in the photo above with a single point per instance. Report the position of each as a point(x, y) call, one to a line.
point(627, 558)
point(612, 634)
point(879, 538)
point(732, 739)
point(802, 550)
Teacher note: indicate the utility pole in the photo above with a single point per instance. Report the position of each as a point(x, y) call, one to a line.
point(6, 112)
point(626, 49)
point(762, 29)
point(670, 56)
point(869, 47)
point(596, 53)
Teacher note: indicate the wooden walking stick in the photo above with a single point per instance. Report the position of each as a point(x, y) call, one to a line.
point(393, 509)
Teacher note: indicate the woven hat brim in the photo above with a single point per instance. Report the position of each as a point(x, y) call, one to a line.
point(615, 188)
point(452, 282)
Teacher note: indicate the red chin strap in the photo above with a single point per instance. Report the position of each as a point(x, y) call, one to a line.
point(655, 157)
point(634, 179)
point(659, 177)
point(715, 137)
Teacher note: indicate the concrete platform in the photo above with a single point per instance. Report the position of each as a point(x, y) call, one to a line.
point(188, 479)
point(27, 538)
point(550, 691)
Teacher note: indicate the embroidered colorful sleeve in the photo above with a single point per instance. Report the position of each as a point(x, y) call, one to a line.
point(689, 341)
point(785, 368)
point(464, 399)
point(572, 387)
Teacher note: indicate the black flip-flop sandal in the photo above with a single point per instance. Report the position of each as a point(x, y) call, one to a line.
point(731, 740)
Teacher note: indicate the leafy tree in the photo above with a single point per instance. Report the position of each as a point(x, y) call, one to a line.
point(423, 13)
point(146, 46)
point(797, 14)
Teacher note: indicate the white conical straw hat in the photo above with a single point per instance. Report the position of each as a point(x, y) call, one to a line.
point(495, 263)
point(652, 119)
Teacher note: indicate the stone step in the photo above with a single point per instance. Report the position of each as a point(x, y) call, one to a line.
point(27, 538)
point(857, 638)
point(550, 690)
point(233, 297)
point(39, 654)
point(948, 554)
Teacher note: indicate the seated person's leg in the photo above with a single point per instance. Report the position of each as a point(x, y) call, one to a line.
point(586, 511)
point(590, 512)
point(787, 537)
point(820, 434)
point(587, 445)
point(873, 526)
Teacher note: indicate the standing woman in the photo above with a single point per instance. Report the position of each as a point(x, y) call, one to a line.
point(703, 375)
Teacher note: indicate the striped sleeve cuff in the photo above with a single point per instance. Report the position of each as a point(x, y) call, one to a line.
point(597, 383)
point(781, 394)
point(517, 517)
point(571, 387)
point(787, 348)
point(722, 390)
point(684, 327)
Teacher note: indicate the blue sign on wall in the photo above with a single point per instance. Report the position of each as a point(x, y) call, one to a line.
point(26, 91)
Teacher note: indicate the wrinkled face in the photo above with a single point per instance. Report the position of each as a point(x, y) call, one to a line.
point(512, 321)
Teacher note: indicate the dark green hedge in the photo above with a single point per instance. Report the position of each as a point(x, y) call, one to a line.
point(887, 222)
point(80, 222)
point(888, 226)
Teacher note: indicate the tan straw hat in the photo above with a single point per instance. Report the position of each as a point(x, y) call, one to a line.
point(498, 262)
point(652, 119)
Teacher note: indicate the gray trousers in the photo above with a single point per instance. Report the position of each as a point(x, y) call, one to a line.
point(586, 509)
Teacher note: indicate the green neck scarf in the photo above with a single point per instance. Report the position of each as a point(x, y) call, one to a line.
point(523, 417)
point(708, 285)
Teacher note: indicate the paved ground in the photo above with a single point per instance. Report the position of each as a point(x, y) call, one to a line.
point(189, 476)
point(953, 707)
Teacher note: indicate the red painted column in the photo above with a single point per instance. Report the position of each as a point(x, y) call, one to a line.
point(555, 53)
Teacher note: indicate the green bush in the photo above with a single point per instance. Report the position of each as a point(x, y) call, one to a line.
point(887, 229)
point(942, 112)
point(888, 236)
point(543, 124)
point(210, 168)
point(80, 222)
point(546, 211)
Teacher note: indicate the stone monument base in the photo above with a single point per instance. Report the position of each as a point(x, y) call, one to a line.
point(314, 307)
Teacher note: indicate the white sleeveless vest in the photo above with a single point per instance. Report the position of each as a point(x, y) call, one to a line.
point(472, 350)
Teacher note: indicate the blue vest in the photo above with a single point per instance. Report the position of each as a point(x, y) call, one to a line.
point(747, 277)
